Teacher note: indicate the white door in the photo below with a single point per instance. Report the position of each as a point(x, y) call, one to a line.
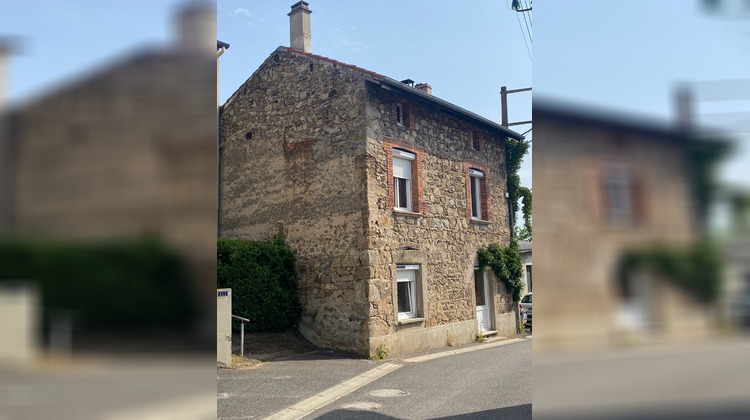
point(483, 301)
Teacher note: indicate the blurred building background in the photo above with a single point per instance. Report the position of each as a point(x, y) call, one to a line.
point(608, 184)
point(123, 151)
point(641, 174)
point(108, 211)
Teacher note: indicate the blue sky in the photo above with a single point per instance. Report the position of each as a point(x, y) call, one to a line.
point(63, 40)
point(465, 50)
point(625, 55)
point(628, 55)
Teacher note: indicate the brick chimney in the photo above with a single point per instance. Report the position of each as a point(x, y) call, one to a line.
point(424, 87)
point(683, 102)
point(8, 47)
point(299, 26)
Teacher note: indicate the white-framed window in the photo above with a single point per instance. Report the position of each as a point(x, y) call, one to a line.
point(475, 187)
point(618, 184)
point(399, 113)
point(406, 290)
point(402, 161)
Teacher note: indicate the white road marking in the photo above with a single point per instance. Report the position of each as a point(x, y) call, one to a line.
point(305, 407)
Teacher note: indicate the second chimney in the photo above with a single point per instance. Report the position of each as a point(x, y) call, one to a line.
point(424, 87)
point(299, 26)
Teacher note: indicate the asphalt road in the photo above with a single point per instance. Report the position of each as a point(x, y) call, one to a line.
point(112, 388)
point(274, 386)
point(490, 383)
point(696, 381)
point(487, 381)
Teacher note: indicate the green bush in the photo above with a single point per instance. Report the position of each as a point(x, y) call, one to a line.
point(261, 276)
point(127, 284)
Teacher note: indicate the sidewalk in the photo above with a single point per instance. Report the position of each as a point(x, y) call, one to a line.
point(283, 381)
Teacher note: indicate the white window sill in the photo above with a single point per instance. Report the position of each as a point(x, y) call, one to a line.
point(409, 320)
point(480, 221)
point(406, 212)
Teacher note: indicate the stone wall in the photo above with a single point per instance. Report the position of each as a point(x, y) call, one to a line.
point(305, 148)
point(438, 234)
point(293, 156)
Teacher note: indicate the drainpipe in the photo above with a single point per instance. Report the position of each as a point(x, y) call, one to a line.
point(221, 48)
point(510, 216)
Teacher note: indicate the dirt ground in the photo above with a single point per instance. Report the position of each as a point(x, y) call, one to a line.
point(263, 346)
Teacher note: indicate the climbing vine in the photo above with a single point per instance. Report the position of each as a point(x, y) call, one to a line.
point(696, 269)
point(526, 209)
point(507, 265)
point(515, 150)
point(704, 157)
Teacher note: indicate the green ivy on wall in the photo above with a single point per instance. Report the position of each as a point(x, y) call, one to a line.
point(696, 268)
point(507, 265)
point(515, 150)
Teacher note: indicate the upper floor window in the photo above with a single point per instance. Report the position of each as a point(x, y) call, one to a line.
point(405, 189)
point(402, 179)
point(475, 189)
point(623, 195)
point(402, 113)
point(618, 187)
point(475, 141)
point(399, 113)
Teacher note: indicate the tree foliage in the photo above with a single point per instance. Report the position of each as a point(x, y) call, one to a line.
point(507, 265)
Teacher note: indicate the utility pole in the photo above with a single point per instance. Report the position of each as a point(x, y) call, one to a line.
point(504, 105)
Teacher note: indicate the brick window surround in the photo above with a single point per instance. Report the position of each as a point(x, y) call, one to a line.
point(631, 208)
point(417, 185)
point(407, 107)
point(483, 186)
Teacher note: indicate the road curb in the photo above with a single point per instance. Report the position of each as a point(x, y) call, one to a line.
point(487, 345)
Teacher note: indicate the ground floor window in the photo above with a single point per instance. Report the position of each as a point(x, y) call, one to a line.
point(406, 276)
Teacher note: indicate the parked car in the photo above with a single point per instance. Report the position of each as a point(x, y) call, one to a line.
point(526, 306)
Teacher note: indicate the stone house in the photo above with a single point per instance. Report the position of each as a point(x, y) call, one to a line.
point(603, 184)
point(384, 191)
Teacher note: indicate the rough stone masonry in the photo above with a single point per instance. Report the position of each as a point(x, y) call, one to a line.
point(307, 145)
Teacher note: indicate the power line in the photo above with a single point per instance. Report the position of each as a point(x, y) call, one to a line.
point(527, 28)
point(528, 11)
point(524, 38)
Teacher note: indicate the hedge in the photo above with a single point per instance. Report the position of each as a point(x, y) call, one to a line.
point(128, 284)
point(264, 287)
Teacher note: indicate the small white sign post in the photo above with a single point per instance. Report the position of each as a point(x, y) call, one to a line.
point(19, 324)
point(224, 327)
